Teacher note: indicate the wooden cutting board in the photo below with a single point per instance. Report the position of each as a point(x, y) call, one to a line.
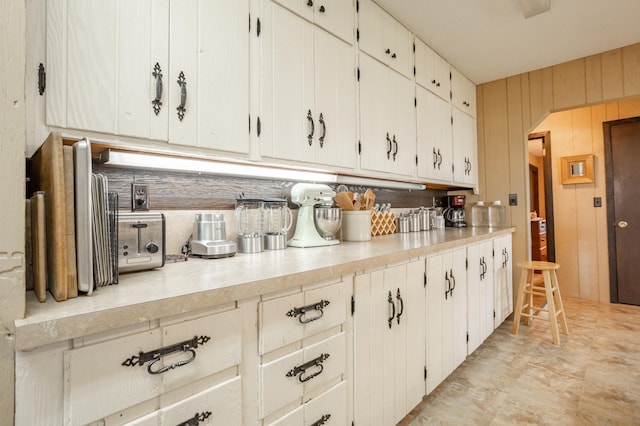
point(72, 275)
point(48, 175)
point(39, 246)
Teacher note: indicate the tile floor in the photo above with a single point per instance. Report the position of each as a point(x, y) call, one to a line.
point(591, 378)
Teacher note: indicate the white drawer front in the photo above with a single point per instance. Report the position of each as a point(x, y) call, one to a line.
point(293, 418)
point(281, 323)
point(281, 384)
point(331, 407)
point(95, 377)
point(221, 404)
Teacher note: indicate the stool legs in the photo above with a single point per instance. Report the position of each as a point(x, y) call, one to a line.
point(551, 307)
point(519, 301)
point(558, 302)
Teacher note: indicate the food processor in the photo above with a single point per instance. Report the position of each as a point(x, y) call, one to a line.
point(307, 196)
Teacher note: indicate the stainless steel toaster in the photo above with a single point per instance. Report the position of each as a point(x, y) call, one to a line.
point(141, 241)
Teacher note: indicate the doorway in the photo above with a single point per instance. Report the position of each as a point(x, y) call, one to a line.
point(622, 151)
point(541, 197)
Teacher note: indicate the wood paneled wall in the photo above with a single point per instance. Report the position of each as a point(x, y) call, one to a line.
point(511, 108)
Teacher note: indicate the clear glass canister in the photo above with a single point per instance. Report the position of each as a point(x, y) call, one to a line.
point(479, 214)
point(497, 214)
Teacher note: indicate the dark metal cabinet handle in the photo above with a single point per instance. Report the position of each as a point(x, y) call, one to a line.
point(313, 127)
point(435, 158)
point(481, 270)
point(389, 147)
point(302, 312)
point(401, 306)
point(322, 9)
point(310, 3)
point(454, 283)
point(448, 286)
point(196, 419)
point(156, 355)
point(182, 82)
point(393, 55)
point(393, 310)
point(322, 420)
point(300, 370)
point(157, 101)
point(439, 159)
point(387, 51)
point(324, 130)
point(395, 147)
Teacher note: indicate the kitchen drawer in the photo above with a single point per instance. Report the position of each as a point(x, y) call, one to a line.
point(329, 408)
point(282, 383)
point(96, 375)
point(282, 321)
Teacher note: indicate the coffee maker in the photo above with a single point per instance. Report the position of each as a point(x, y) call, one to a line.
point(454, 213)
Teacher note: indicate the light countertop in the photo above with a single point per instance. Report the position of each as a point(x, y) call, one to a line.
point(202, 283)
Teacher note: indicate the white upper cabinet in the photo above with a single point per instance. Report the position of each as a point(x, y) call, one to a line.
point(106, 62)
point(463, 93)
point(465, 149)
point(308, 92)
point(387, 120)
point(433, 137)
point(335, 16)
point(208, 81)
point(384, 38)
point(432, 72)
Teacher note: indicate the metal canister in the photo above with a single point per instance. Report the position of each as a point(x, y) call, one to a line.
point(414, 222)
point(402, 223)
point(425, 222)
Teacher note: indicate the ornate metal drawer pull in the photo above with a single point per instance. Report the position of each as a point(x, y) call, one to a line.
point(322, 420)
point(300, 370)
point(313, 128)
point(155, 356)
point(401, 306)
point(157, 101)
point(393, 309)
point(324, 130)
point(196, 419)
point(182, 82)
point(301, 312)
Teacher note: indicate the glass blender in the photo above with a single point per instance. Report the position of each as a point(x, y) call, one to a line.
point(277, 220)
point(250, 224)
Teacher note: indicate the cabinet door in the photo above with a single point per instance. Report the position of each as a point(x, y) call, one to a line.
point(209, 77)
point(100, 60)
point(479, 293)
point(375, 135)
point(334, 142)
point(465, 149)
point(436, 288)
point(401, 106)
point(463, 93)
point(503, 281)
point(432, 72)
point(335, 16)
point(287, 85)
point(415, 306)
point(458, 299)
point(433, 136)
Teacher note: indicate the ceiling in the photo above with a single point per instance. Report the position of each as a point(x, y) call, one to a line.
point(490, 39)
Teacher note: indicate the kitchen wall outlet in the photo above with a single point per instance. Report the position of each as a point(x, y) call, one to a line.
point(139, 197)
point(513, 199)
point(597, 202)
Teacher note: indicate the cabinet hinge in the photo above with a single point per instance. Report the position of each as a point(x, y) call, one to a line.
point(358, 72)
point(425, 372)
point(357, 34)
point(416, 160)
point(258, 27)
point(494, 314)
point(353, 305)
point(466, 263)
point(493, 252)
point(249, 23)
point(425, 279)
point(415, 102)
point(414, 51)
point(359, 148)
point(357, 6)
point(42, 79)
point(414, 68)
point(450, 95)
point(258, 127)
point(467, 337)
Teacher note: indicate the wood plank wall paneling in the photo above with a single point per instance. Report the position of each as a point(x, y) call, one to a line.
point(195, 191)
point(508, 112)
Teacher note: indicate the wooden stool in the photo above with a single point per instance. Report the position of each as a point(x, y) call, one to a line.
point(551, 291)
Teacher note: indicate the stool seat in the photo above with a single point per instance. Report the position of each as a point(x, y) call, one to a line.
point(550, 290)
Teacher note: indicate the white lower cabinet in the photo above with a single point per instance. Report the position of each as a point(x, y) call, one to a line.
point(479, 293)
point(446, 316)
point(502, 279)
point(388, 343)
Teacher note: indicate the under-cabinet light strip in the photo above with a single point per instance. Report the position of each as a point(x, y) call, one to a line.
point(165, 162)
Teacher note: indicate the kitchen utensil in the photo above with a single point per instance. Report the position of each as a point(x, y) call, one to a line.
point(250, 224)
point(39, 245)
point(72, 274)
point(210, 237)
point(83, 211)
point(48, 175)
point(307, 196)
point(343, 201)
point(328, 221)
point(370, 199)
